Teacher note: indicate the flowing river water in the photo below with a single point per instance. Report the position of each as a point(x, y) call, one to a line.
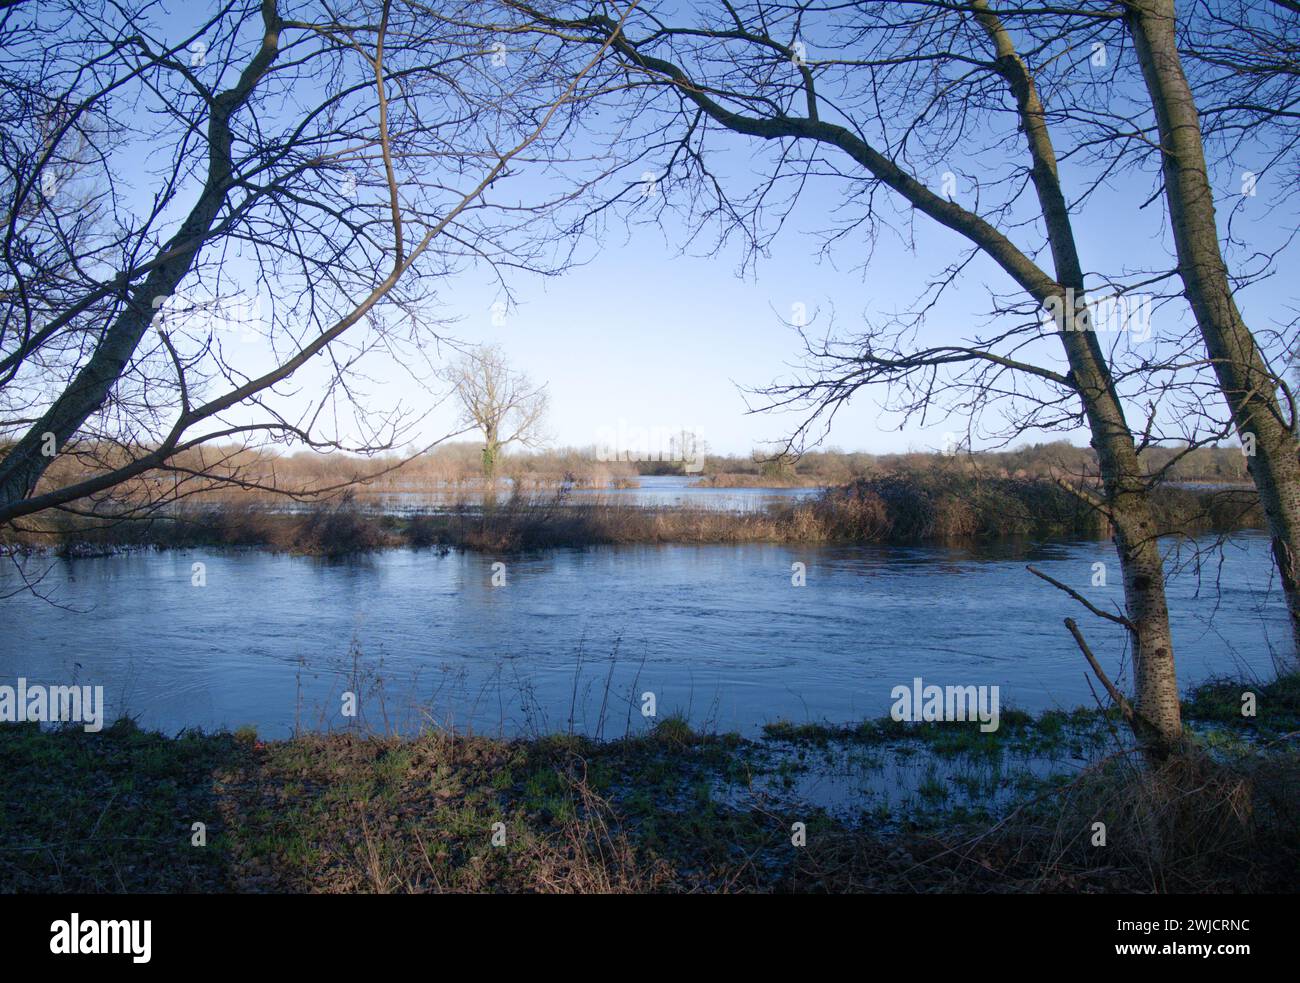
point(572, 639)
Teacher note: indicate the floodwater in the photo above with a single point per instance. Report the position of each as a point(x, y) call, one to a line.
point(574, 639)
point(653, 491)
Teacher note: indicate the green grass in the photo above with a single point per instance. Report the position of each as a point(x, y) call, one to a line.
point(1276, 704)
point(112, 811)
point(671, 810)
point(1049, 733)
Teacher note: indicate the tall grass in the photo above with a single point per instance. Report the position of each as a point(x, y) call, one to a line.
point(914, 506)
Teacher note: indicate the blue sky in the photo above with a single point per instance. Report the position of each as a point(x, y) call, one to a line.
point(646, 334)
point(643, 335)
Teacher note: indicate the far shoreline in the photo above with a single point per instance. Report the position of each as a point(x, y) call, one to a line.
point(944, 507)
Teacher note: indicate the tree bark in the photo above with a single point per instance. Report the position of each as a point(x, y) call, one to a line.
point(1248, 386)
point(1154, 679)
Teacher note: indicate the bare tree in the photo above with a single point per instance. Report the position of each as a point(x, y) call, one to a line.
point(1250, 386)
point(928, 79)
point(500, 402)
point(333, 163)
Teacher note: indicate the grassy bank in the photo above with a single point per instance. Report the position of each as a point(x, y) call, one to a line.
point(668, 811)
point(946, 505)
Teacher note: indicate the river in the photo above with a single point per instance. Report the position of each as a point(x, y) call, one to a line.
point(573, 638)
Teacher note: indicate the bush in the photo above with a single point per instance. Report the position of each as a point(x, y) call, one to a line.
point(918, 505)
point(339, 530)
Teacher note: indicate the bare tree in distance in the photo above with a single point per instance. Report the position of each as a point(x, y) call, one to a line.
point(500, 402)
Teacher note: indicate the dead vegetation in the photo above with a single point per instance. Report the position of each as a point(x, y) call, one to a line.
point(1192, 826)
point(947, 505)
point(439, 812)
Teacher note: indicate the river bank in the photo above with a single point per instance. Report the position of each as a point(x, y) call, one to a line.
point(672, 810)
point(905, 508)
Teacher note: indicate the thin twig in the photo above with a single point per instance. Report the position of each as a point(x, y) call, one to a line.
point(1119, 619)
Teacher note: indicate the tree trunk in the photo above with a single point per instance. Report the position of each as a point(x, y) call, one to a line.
point(1155, 684)
point(491, 451)
point(1247, 385)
